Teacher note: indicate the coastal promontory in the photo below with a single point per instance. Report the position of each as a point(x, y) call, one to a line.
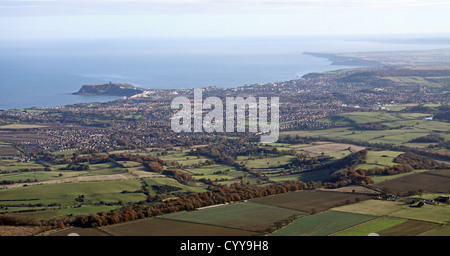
point(109, 89)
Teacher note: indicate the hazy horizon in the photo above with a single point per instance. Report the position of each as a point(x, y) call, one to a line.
point(51, 19)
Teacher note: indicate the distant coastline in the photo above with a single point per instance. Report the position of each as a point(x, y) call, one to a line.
point(344, 60)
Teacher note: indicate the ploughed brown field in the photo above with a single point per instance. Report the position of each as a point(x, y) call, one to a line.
point(19, 230)
point(166, 227)
point(409, 228)
point(311, 201)
point(435, 181)
point(8, 151)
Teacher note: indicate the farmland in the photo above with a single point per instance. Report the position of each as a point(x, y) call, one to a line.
point(409, 228)
point(20, 126)
point(61, 199)
point(354, 157)
point(369, 227)
point(379, 159)
point(322, 224)
point(311, 201)
point(128, 178)
point(399, 128)
point(168, 227)
point(430, 181)
point(246, 216)
point(436, 213)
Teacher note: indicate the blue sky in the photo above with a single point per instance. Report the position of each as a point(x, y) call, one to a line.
point(36, 19)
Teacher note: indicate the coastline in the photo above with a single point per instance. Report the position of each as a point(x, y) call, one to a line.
point(344, 60)
point(120, 96)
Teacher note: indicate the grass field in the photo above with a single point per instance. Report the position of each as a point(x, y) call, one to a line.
point(211, 172)
point(56, 212)
point(40, 176)
point(443, 230)
point(379, 159)
point(246, 216)
point(182, 157)
point(10, 165)
point(372, 207)
point(5, 144)
point(106, 169)
point(381, 178)
point(266, 163)
point(322, 224)
point(337, 150)
point(58, 172)
point(370, 227)
point(439, 213)
point(395, 136)
point(404, 128)
point(64, 195)
point(368, 117)
point(21, 126)
point(171, 182)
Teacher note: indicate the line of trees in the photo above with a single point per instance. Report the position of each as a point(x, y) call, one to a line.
point(188, 202)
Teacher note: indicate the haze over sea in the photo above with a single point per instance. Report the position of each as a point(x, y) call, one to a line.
point(46, 73)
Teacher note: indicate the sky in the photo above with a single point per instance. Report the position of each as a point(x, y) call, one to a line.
point(49, 19)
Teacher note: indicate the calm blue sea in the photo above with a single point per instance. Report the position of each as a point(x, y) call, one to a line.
point(45, 73)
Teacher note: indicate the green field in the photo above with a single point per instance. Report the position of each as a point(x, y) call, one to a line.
point(419, 80)
point(246, 215)
point(182, 157)
point(213, 172)
point(266, 163)
point(171, 182)
point(106, 169)
point(373, 226)
point(64, 195)
point(21, 126)
point(368, 117)
point(5, 145)
point(398, 136)
point(380, 178)
point(443, 230)
point(11, 165)
point(40, 176)
point(57, 171)
point(379, 159)
point(322, 224)
point(56, 212)
point(438, 213)
point(403, 128)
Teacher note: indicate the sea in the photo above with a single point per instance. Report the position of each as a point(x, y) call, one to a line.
point(45, 73)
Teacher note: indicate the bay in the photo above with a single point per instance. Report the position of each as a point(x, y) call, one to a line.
point(41, 73)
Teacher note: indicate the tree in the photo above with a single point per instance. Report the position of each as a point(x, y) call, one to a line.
point(155, 167)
